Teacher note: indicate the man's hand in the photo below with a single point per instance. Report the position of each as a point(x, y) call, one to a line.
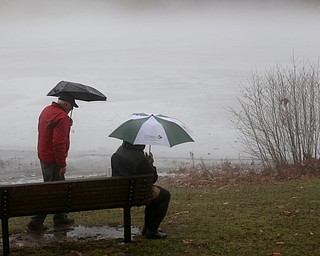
point(62, 171)
point(149, 157)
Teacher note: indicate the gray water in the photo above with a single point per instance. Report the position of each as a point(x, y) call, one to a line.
point(184, 59)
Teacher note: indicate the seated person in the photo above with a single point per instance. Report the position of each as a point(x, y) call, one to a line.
point(131, 160)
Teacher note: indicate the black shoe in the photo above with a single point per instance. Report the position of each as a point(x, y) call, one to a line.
point(65, 222)
point(144, 230)
point(37, 227)
point(155, 235)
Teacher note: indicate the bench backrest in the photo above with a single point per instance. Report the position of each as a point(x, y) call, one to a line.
point(74, 195)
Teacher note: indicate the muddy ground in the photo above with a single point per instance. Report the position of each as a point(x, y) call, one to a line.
point(72, 233)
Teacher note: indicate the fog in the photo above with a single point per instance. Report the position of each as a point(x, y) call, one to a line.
point(184, 59)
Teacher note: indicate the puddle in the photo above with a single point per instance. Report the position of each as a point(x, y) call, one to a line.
point(74, 233)
point(82, 232)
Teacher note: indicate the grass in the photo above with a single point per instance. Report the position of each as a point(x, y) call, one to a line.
point(243, 219)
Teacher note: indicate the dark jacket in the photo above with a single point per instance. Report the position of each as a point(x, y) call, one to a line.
point(130, 160)
point(53, 135)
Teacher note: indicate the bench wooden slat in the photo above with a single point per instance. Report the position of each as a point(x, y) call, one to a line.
point(67, 196)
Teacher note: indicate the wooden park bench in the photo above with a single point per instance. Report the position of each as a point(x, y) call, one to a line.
point(73, 196)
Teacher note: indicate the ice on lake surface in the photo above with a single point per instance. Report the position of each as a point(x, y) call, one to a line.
point(175, 58)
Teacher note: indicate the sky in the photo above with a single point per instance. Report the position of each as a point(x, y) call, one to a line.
point(185, 59)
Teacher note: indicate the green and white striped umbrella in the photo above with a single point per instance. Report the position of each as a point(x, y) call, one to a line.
point(145, 129)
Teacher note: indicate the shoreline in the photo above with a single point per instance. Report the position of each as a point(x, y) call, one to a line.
point(22, 166)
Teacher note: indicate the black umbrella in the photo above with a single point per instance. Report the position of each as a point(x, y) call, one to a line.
point(78, 91)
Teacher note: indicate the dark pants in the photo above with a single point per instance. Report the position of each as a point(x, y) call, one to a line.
point(50, 172)
point(156, 211)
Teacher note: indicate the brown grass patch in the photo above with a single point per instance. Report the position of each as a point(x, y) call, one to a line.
point(227, 173)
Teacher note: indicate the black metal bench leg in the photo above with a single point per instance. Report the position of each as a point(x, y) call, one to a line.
point(5, 237)
point(127, 224)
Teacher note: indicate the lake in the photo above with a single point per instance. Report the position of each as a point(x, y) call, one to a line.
point(182, 60)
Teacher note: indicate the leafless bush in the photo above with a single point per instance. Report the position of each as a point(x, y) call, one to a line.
point(279, 116)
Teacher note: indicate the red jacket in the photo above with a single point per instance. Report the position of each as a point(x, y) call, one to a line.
point(53, 135)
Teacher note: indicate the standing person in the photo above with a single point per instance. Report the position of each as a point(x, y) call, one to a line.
point(53, 146)
point(131, 160)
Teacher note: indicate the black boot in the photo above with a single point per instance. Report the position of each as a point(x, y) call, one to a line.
point(155, 234)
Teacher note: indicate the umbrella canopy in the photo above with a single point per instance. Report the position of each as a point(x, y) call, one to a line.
point(78, 91)
point(144, 129)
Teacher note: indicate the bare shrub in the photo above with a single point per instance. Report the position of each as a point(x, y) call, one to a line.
point(279, 116)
